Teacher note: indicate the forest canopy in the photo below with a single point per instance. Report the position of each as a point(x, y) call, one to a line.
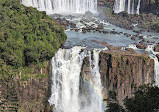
point(27, 35)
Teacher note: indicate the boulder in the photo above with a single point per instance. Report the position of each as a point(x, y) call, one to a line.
point(88, 15)
point(130, 50)
point(141, 46)
point(157, 55)
point(133, 37)
point(100, 26)
point(156, 48)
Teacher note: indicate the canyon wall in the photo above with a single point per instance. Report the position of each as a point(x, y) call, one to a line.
point(30, 95)
point(121, 71)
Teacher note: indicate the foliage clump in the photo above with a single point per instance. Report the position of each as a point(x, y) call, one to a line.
point(113, 103)
point(145, 99)
point(26, 35)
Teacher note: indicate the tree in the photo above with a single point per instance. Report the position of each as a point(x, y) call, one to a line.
point(146, 99)
point(113, 104)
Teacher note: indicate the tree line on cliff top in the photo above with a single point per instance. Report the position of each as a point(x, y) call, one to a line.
point(26, 35)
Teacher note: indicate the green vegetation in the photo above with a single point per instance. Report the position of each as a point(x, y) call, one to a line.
point(27, 36)
point(108, 11)
point(113, 104)
point(28, 39)
point(146, 99)
point(154, 26)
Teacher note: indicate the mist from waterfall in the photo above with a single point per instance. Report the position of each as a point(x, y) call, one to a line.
point(62, 6)
point(66, 95)
point(127, 5)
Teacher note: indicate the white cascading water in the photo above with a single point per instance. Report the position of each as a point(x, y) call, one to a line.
point(133, 5)
point(62, 6)
point(129, 6)
point(138, 7)
point(152, 54)
point(120, 6)
point(156, 71)
point(66, 69)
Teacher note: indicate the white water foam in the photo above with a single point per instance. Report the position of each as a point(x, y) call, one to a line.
point(66, 69)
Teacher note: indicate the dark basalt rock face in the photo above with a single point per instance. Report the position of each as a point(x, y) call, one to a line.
point(26, 96)
point(121, 71)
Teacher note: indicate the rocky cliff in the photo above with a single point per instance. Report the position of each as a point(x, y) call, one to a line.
point(30, 95)
point(121, 71)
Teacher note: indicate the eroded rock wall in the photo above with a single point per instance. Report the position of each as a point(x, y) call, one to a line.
point(121, 71)
point(26, 96)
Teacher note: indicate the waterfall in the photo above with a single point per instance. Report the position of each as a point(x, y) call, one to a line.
point(132, 10)
point(65, 91)
point(119, 6)
point(156, 71)
point(152, 54)
point(129, 6)
point(62, 6)
point(138, 7)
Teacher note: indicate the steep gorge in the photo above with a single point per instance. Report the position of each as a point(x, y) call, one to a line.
point(31, 95)
point(121, 71)
point(79, 76)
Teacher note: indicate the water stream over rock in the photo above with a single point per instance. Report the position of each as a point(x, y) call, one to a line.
point(67, 94)
point(63, 6)
point(129, 6)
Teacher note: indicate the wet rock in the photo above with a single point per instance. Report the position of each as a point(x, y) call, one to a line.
point(96, 41)
point(72, 25)
point(70, 17)
point(130, 50)
point(88, 15)
point(141, 46)
point(104, 43)
point(100, 26)
point(83, 31)
point(141, 37)
point(156, 48)
point(77, 30)
point(96, 22)
point(133, 37)
point(112, 48)
point(121, 32)
point(128, 35)
point(155, 37)
point(157, 55)
point(85, 20)
point(137, 31)
point(56, 15)
point(105, 32)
